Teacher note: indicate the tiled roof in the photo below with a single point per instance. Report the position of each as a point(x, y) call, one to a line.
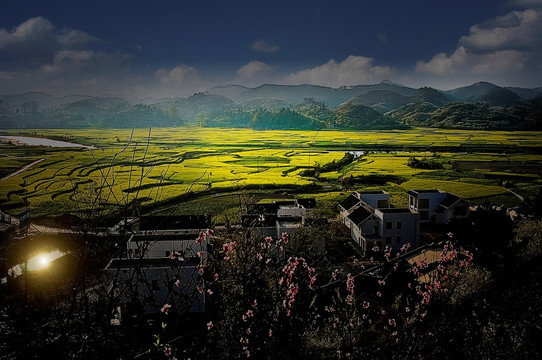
point(309, 203)
point(449, 200)
point(349, 202)
point(359, 215)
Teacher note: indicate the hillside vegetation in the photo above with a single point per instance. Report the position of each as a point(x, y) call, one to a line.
point(365, 107)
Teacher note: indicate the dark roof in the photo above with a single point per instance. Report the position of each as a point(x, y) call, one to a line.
point(357, 216)
point(199, 222)
point(309, 203)
point(449, 200)
point(262, 208)
point(372, 192)
point(349, 202)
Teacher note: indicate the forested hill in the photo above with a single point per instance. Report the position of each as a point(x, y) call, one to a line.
point(380, 106)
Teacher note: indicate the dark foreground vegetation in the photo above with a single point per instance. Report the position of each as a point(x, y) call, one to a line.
point(283, 299)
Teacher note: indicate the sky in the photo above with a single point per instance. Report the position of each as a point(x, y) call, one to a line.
point(176, 48)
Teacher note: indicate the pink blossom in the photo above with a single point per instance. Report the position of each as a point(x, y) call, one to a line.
point(178, 283)
point(200, 238)
point(209, 291)
point(165, 308)
point(209, 325)
point(216, 276)
point(270, 332)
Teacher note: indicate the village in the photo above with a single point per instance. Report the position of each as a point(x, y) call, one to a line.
point(369, 224)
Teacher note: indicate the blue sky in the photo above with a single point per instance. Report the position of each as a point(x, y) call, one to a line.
point(170, 48)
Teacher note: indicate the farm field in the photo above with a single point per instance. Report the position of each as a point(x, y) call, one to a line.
point(202, 170)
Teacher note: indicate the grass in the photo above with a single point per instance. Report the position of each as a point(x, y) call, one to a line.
point(221, 161)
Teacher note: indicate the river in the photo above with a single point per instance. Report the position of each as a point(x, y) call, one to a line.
point(34, 141)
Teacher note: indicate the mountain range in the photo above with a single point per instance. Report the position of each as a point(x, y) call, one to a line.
point(385, 105)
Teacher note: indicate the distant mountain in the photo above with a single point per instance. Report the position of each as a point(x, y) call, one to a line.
point(501, 97)
point(378, 106)
point(230, 91)
point(413, 114)
point(196, 108)
point(472, 93)
point(478, 115)
point(43, 101)
point(430, 95)
point(264, 103)
point(330, 96)
point(381, 100)
point(359, 117)
point(315, 109)
point(526, 94)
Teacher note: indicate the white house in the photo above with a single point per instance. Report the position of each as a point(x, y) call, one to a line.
point(370, 199)
point(162, 265)
point(277, 216)
point(163, 236)
point(373, 222)
point(437, 206)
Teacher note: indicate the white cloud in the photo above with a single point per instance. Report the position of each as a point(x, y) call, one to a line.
point(177, 75)
point(38, 37)
point(263, 46)
point(352, 71)
point(499, 62)
point(254, 69)
point(506, 47)
point(515, 30)
point(442, 64)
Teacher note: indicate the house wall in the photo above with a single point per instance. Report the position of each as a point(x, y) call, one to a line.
point(376, 200)
point(291, 212)
point(407, 231)
point(426, 204)
point(156, 249)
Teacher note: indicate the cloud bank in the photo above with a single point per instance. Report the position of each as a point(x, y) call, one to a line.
point(351, 71)
point(508, 44)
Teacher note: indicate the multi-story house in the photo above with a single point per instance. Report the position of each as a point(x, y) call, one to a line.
point(162, 265)
point(277, 216)
point(437, 206)
point(373, 222)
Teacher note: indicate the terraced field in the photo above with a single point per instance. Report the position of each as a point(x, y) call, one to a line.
point(210, 166)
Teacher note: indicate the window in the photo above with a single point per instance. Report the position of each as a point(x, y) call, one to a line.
point(423, 203)
point(398, 225)
point(397, 239)
point(388, 240)
point(382, 203)
point(460, 211)
point(388, 225)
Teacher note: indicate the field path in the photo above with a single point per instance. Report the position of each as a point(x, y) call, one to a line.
point(21, 170)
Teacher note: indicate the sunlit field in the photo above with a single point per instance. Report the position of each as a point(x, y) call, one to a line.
point(163, 168)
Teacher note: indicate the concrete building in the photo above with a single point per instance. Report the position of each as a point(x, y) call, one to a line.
point(277, 216)
point(373, 222)
point(437, 206)
point(161, 266)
